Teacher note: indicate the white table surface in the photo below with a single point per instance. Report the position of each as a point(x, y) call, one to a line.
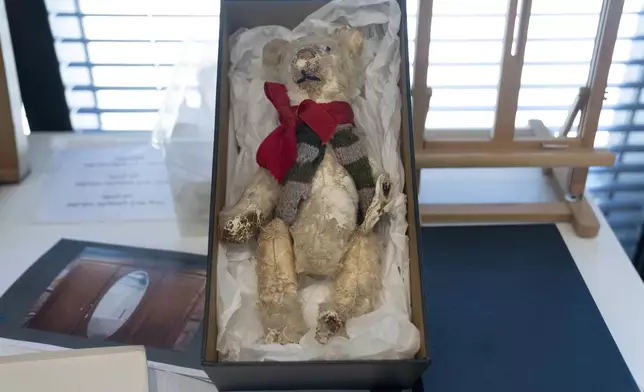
point(607, 271)
point(23, 240)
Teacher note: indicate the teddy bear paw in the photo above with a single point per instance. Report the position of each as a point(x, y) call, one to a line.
point(280, 336)
point(272, 336)
point(380, 204)
point(383, 189)
point(329, 324)
point(240, 228)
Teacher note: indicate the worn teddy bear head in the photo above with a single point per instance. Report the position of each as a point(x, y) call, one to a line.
point(321, 68)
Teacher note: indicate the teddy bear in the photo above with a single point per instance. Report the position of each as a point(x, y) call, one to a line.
point(315, 199)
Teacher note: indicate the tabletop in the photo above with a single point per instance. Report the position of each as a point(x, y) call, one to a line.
point(611, 278)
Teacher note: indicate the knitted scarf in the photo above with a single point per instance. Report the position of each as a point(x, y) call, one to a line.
point(295, 149)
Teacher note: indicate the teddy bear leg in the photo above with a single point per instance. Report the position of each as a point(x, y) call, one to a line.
point(277, 285)
point(240, 222)
point(358, 282)
point(354, 301)
point(357, 286)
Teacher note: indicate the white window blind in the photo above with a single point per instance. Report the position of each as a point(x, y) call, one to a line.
point(116, 59)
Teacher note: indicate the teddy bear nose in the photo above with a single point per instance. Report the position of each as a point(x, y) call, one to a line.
point(304, 58)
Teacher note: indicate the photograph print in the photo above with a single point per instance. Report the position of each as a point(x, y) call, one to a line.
point(105, 295)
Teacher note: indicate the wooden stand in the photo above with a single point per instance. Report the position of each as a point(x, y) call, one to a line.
point(564, 159)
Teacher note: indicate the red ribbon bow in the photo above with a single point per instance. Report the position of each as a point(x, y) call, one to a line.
point(278, 151)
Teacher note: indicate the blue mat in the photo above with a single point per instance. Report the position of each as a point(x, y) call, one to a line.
point(507, 310)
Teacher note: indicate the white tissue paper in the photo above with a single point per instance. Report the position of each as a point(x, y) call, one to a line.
point(387, 332)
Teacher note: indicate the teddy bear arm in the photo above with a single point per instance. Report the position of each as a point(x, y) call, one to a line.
point(298, 182)
point(351, 153)
point(241, 221)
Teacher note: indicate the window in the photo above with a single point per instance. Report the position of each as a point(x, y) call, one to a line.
point(117, 57)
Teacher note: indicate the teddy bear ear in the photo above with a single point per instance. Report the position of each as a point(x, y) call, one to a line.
point(273, 54)
point(351, 39)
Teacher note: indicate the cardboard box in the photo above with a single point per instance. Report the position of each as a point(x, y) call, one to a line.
point(13, 141)
point(357, 374)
